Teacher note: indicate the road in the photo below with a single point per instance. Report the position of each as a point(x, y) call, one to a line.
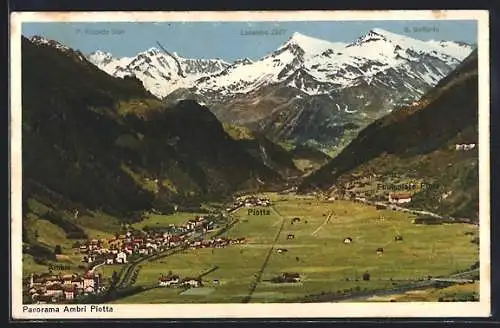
point(413, 211)
point(322, 224)
point(258, 275)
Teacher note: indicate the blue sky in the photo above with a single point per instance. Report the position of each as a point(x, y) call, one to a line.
point(230, 40)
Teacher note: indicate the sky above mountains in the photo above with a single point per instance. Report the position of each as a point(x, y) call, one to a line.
point(232, 40)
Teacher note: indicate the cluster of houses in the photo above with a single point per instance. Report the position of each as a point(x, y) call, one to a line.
point(219, 242)
point(121, 247)
point(249, 201)
point(175, 281)
point(48, 288)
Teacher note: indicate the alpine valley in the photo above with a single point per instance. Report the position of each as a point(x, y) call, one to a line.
point(306, 91)
point(158, 178)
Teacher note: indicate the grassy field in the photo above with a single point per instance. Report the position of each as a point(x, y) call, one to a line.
point(159, 220)
point(459, 292)
point(317, 252)
point(95, 224)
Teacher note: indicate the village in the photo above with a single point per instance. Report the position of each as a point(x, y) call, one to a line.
point(248, 201)
point(128, 247)
point(134, 246)
point(62, 288)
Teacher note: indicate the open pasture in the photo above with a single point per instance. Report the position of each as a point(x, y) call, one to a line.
point(314, 247)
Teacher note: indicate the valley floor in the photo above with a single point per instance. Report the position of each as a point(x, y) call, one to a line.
point(313, 247)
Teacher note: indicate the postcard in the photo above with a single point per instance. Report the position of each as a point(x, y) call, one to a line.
point(270, 164)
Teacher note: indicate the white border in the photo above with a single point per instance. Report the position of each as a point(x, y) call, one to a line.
point(286, 310)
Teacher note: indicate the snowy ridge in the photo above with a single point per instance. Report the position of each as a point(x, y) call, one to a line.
point(311, 65)
point(160, 72)
point(317, 67)
point(36, 39)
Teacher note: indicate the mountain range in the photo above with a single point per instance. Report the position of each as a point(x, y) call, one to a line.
point(307, 90)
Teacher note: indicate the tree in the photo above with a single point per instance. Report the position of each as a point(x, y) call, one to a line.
point(366, 276)
point(57, 249)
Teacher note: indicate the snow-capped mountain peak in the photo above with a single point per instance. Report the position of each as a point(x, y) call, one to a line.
point(37, 39)
point(385, 33)
point(100, 56)
point(310, 45)
point(153, 51)
point(448, 50)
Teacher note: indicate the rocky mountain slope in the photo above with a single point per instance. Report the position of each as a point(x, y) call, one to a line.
point(109, 144)
point(416, 143)
point(308, 89)
point(99, 151)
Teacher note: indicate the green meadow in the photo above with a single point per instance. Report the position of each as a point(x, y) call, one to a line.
point(317, 252)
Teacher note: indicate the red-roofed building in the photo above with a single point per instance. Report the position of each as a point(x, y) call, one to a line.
point(400, 198)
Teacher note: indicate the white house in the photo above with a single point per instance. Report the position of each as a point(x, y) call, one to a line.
point(69, 293)
point(348, 240)
point(89, 290)
point(54, 290)
point(192, 282)
point(67, 278)
point(168, 281)
point(465, 146)
point(121, 257)
point(89, 280)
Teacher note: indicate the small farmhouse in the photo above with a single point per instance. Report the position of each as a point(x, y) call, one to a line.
point(281, 250)
point(290, 277)
point(465, 147)
point(399, 198)
point(348, 240)
point(191, 282)
point(168, 281)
